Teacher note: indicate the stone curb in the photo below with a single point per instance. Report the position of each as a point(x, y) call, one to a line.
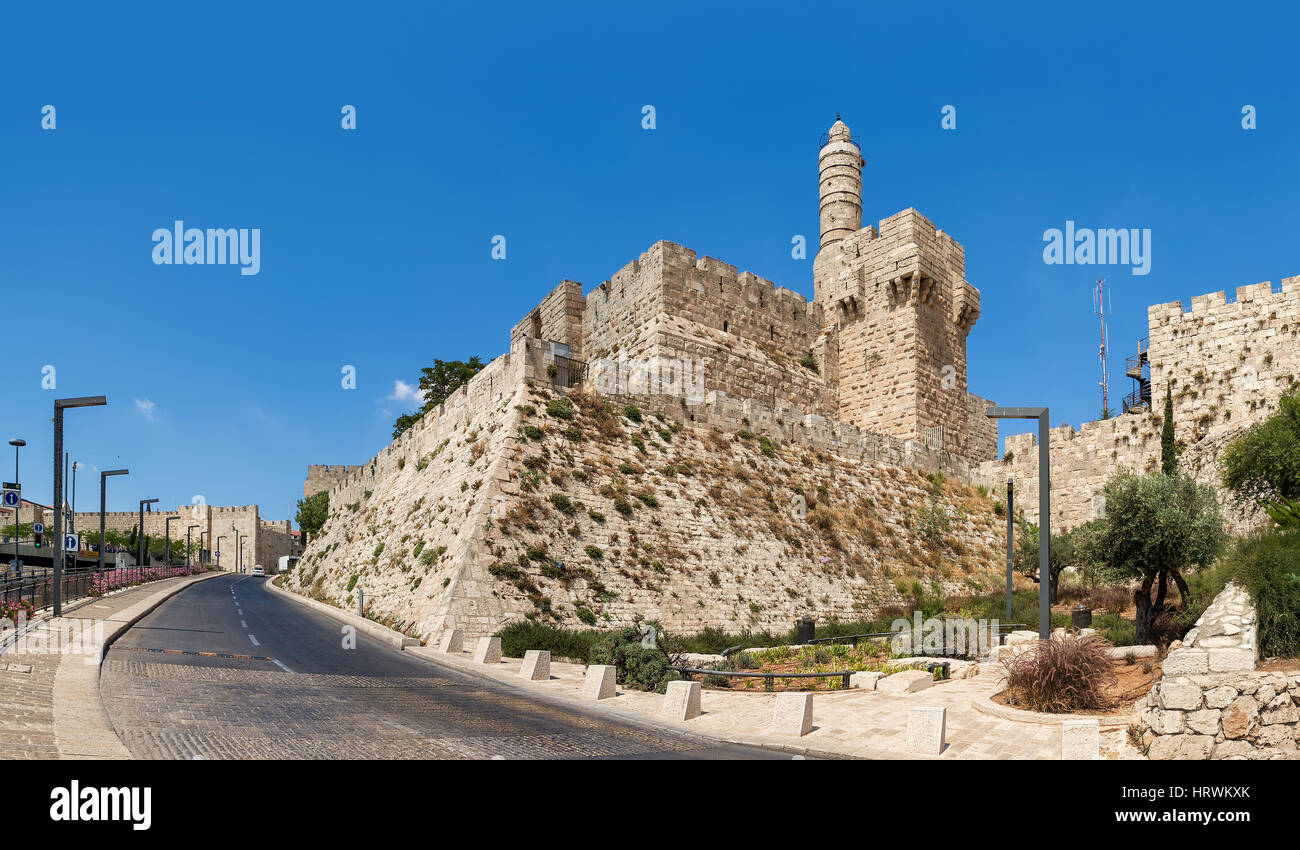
point(82, 728)
point(389, 636)
point(1107, 723)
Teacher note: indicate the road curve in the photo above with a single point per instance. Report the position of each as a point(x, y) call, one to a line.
point(227, 669)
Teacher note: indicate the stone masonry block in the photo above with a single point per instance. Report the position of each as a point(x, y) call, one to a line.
point(682, 701)
point(1186, 662)
point(1229, 660)
point(792, 714)
point(536, 666)
point(488, 651)
point(865, 681)
point(1081, 740)
point(926, 728)
point(453, 640)
point(599, 683)
point(906, 682)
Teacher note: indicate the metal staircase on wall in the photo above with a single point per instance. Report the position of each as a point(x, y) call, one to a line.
point(1138, 367)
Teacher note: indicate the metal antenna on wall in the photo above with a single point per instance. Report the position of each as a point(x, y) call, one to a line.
point(1099, 309)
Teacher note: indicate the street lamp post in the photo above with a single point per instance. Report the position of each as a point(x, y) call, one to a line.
point(140, 548)
point(17, 444)
point(103, 489)
point(1044, 509)
point(188, 544)
point(220, 537)
point(1011, 537)
point(61, 404)
point(203, 559)
point(72, 512)
point(167, 551)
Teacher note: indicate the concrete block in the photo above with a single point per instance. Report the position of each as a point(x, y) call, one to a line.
point(453, 640)
point(488, 651)
point(1186, 662)
point(792, 714)
point(682, 701)
point(926, 728)
point(864, 680)
point(536, 666)
point(1081, 740)
point(1239, 659)
point(1135, 652)
point(599, 683)
point(906, 682)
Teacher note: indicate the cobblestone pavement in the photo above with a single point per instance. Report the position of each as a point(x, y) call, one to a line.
point(27, 678)
point(369, 702)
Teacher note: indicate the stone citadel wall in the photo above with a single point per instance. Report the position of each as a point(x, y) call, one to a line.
point(1226, 364)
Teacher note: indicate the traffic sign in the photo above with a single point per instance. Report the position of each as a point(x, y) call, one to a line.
point(12, 497)
point(38, 528)
point(72, 543)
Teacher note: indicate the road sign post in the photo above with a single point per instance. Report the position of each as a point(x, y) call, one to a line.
point(13, 498)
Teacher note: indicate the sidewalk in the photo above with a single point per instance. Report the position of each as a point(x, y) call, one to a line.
point(49, 700)
point(854, 723)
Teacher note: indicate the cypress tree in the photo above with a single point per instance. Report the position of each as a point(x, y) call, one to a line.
point(1168, 456)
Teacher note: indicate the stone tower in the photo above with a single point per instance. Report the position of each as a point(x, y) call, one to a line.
point(839, 182)
point(900, 306)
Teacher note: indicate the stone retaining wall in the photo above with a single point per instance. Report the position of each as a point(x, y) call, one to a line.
point(1211, 703)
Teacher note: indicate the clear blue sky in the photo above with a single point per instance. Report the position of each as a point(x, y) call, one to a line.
point(525, 120)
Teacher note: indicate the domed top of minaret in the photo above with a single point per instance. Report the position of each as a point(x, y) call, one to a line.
point(840, 131)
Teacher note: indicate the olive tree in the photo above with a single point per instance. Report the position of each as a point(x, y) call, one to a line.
point(1157, 527)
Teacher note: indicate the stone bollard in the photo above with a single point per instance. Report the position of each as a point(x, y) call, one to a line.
point(682, 701)
point(1081, 740)
point(792, 714)
point(926, 730)
point(453, 640)
point(489, 650)
point(599, 683)
point(536, 666)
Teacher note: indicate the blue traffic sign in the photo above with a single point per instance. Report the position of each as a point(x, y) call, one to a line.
point(38, 528)
point(12, 498)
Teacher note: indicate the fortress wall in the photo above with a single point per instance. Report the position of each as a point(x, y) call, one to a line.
point(558, 317)
point(617, 309)
point(1224, 361)
point(323, 478)
point(981, 431)
point(496, 380)
point(1233, 383)
point(711, 293)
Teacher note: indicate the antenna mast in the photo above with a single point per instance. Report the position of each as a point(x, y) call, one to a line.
point(1099, 310)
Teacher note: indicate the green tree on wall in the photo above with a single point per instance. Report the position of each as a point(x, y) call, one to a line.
point(1168, 451)
point(1262, 467)
point(1157, 527)
point(312, 513)
point(437, 383)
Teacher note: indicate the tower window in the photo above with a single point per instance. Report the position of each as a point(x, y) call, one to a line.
point(771, 331)
point(724, 327)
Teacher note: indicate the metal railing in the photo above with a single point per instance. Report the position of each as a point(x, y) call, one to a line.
point(568, 372)
point(1003, 630)
point(769, 679)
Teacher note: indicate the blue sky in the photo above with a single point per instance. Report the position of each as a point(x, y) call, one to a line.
point(525, 120)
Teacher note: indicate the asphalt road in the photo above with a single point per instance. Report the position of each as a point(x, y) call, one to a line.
point(275, 682)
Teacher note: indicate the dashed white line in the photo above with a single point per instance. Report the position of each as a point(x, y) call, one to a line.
point(253, 638)
point(243, 624)
point(281, 666)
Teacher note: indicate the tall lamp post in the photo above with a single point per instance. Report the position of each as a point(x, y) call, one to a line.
point(103, 490)
point(140, 548)
point(1044, 509)
point(72, 511)
point(188, 531)
point(167, 552)
point(61, 404)
point(1011, 537)
point(17, 444)
point(239, 551)
point(203, 561)
point(220, 537)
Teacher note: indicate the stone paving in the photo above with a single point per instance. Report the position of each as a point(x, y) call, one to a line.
point(859, 724)
point(49, 701)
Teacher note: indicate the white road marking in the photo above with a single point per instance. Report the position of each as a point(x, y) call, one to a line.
point(253, 638)
point(396, 725)
point(243, 624)
point(282, 667)
point(240, 612)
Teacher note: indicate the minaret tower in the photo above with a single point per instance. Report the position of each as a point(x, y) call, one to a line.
point(840, 185)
